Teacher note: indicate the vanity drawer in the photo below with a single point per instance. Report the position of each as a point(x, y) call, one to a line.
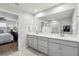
point(43, 38)
point(43, 43)
point(64, 42)
point(29, 36)
point(43, 49)
point(32, 36)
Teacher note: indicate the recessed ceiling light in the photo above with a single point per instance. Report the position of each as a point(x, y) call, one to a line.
point(36, 10)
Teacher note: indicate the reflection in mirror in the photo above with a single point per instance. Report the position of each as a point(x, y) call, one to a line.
point(58, 23)
point(55, 25)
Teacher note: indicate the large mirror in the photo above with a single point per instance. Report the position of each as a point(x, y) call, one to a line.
point(58, 23)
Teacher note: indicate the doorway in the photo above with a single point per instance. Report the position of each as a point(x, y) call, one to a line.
point(8, 33)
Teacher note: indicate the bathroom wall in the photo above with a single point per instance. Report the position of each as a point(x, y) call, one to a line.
point(77, 19)
point(24, 22)
point(74, 22)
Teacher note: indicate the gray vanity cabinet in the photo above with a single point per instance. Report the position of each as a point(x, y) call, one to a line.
point(43, 44)
point(54, 49)
point(62, 48)
point(68, 51)
point(32, 41)
point(35, 44)
point(29, 38)
point(39, 43)
point(53, 46)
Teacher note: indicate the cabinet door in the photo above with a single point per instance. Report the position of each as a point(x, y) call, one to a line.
point(34, 41)
point(30, 42)
point(43, 43)
point(54, 49)
point(43, 49)
point(69, 51)
point(43, 38)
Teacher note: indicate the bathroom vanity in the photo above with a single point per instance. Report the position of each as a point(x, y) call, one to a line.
point(54, 45)
point(56, 32)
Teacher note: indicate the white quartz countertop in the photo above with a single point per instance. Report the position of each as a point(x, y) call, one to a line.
point(58, 36)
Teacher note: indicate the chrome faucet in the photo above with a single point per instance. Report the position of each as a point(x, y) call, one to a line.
point(62, 33)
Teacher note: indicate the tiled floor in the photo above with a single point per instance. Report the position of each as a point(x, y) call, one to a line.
point(23, 53)
point(27, 52)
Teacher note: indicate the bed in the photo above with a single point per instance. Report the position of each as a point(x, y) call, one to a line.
point(6, 38)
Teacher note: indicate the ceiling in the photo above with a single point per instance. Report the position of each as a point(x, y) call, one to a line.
point(8, 16)
point(34, 7)
point(59, 16)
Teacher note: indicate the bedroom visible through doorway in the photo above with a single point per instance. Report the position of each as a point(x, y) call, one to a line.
point(8, 33)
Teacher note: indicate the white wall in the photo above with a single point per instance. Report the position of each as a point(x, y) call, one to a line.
point(24, 22)
point(74, 22)
point(77, 19)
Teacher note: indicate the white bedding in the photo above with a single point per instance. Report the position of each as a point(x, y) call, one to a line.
point(5, 38)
